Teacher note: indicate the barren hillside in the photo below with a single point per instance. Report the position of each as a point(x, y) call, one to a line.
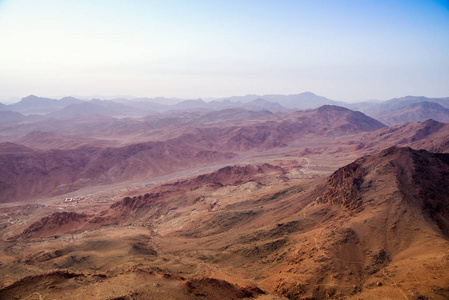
point(376, 228)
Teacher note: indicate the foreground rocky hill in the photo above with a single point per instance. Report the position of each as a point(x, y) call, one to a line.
point(376, 228)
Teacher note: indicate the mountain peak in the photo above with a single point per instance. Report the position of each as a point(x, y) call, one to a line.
point(30, 98)
point(395, 150)
point(333, 108)
point(307, 93)
point(349, 120)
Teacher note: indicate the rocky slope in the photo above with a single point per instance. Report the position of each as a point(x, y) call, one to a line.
point(429, 135)
point(376, 228)
point(32, 174)
point(376, 215)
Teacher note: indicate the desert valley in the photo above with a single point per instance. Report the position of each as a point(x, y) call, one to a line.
point(264, 197)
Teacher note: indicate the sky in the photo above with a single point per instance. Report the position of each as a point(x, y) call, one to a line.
point(347, 50)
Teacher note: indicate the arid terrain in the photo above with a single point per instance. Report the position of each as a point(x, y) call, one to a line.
point(224, 201)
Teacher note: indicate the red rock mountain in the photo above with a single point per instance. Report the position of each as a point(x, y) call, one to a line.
point(27, 175)
point(420, 179)
point(381, 219)
point(53, 172)
point(429, 135)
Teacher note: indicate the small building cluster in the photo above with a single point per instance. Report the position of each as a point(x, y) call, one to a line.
point(76, 199)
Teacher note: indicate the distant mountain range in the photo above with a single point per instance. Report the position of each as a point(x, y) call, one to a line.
point(301, 101)
point(391, 112)
point(414, 112)
point(38, 105)
point(376, 108)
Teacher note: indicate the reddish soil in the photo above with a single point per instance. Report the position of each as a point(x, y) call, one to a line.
point(375, 228)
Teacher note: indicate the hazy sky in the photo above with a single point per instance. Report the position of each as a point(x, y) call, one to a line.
point(345, 50)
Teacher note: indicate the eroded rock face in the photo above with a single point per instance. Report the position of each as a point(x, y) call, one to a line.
point(211, 288)
point(420, 176)
point(344, 186)
point(63, 222)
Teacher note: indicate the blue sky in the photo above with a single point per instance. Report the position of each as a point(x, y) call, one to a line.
point(345, 50)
